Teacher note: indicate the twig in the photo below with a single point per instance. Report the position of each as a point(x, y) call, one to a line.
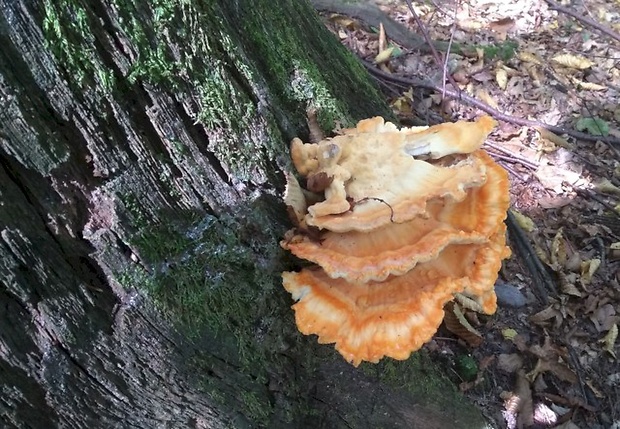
point(511, 170)
point(432, 48)
point(490, 110)
point(447, 56)
point(594, 196)
point(542, 281)
point(528, 163)
point(511, 159)
point(585, 20)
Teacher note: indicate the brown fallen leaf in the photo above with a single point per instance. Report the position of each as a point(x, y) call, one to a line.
point(588, 268)
point(554, 202)
point(605, 186)
point(501, 77)
point(526, 406)
point(456, 323)
point(483, 95)
point(526, 223)
point(530, 57)
point(502, 26)
point(384, 56)
point(610, 340)
point(509, 362)
point(589, 86)
point(547, 314)
point(560, 370)
point(604, 317)
point(558, 251)
point(554, 138)
point(573, 61)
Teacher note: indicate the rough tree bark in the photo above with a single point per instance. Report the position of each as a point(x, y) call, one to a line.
point(141, 149)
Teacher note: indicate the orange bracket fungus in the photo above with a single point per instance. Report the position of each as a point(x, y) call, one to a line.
point(398, 222)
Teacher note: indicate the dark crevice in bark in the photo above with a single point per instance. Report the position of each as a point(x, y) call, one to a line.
point(87, 373)
point(199, 135)
point(163, 334)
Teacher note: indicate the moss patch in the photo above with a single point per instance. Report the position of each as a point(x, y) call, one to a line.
point(218, 281)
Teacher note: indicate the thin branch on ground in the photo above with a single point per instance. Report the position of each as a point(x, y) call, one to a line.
point(509, 158)
point(510, 169)
point(584, 20)
point(447, 56)
point(467, 99)
point(436, 55)
point(526, 162)
point(543, 283)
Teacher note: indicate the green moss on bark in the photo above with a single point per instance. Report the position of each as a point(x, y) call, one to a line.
point(245, 81)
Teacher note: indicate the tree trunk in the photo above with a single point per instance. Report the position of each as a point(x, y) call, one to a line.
point(141, 153)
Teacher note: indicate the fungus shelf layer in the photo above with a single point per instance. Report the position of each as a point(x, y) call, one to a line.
point(399, 222)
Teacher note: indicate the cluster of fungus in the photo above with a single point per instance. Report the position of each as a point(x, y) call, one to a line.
point(397, 222)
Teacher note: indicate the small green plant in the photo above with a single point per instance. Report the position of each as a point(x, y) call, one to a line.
point(595, 126)
point(503, 51)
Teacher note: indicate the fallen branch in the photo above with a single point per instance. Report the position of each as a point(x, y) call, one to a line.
point(584, 19)
point(373, 16)
point(542, 282)
point(467, 99)
point(440, 61)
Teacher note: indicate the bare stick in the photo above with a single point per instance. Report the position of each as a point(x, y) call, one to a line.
point(527, 162)
point(430, 44)
point(585, 20)
point(490, 110)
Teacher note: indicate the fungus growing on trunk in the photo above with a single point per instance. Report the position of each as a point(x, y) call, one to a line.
point(401, 222)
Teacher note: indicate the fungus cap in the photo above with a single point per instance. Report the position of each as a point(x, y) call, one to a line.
point(395, 317)
point(374, 179)
point(395, 248)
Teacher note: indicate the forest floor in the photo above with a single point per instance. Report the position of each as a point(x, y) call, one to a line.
point(549, 356)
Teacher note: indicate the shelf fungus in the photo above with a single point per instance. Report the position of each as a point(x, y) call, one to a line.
point(398, 222)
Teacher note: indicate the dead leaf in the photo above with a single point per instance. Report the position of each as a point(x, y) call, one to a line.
point(501, 27)
point(554, 202)
point(558, 251)
point(544, 416)
point(604, 317)
point(509, 362)
point(383, 44)
point(469, 24)
point(530, 57)
point(456, 323)
point(560, 370)
point(589, 86)
point(569, 288)
point(573, 61)
point(345, 21)
point(501, 77)
point(535, 73)
point(552, 177)
point(384, 56)
point(605, 186)
point(526, 407)
point(548, 313)
point(554, 138)
point(509, 333)
point(573, 263)
point(610, 339)
point(523, 221)
point(588, 268)
point(468, 303)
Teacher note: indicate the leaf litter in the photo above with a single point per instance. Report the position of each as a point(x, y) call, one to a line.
point(553, 361)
